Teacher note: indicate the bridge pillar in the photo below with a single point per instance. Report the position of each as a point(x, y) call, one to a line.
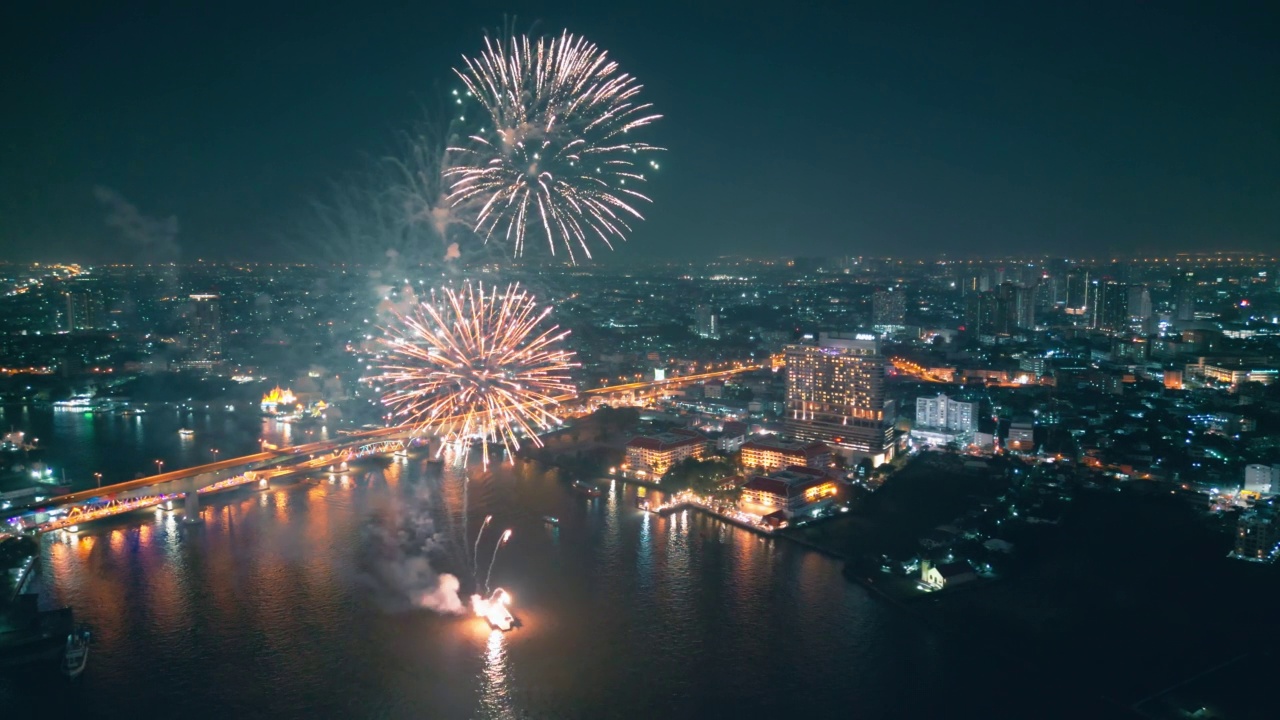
point(191, 511)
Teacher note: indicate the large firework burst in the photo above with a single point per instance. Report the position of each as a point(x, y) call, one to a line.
point(473, 365)
point(555, 152)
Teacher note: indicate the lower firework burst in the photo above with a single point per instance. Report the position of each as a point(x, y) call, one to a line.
point(475, 366)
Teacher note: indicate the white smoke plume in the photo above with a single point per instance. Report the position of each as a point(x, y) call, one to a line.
point(398, 566)
point(154, 238)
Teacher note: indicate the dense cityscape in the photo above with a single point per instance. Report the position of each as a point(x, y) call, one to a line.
point(1010, 404)
point(590, 360)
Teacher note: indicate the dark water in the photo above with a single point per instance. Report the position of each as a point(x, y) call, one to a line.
point(265, 611)
point(77, 444)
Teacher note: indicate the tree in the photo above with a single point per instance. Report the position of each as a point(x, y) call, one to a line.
point(704, 477)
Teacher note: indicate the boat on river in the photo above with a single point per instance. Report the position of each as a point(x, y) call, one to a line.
point(588, 489)
point(76, 655)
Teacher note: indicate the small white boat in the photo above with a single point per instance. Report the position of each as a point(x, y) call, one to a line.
point(77, 652)
point(186, 432)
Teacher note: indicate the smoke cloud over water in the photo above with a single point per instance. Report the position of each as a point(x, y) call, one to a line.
point(399, 545)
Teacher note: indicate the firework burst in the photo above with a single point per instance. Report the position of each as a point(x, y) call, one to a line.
point(473, 365)
point(556, 152)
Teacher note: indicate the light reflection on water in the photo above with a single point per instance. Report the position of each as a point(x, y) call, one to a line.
point(495, 701)
point(261, 611)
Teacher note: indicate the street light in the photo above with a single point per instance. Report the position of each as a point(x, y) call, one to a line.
point(215, 453)
point(159, 466)
point(98, 477)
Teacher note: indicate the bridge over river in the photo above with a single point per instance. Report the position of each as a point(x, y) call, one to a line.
point(189, 484)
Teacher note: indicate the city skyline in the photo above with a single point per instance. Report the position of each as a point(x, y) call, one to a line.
point(599, 361)
point(1107, 129)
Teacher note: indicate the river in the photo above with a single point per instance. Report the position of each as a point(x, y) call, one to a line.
point(269, 609)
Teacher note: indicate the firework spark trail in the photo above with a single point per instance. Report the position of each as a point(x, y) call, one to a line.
point(473, 365)
point(557, 154)
point(506, 535)
point(475, 554)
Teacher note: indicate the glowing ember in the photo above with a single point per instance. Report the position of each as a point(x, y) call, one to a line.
point(494, 609)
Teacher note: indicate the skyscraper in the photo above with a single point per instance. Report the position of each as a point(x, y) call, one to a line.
point(1078, 284)
point(204, 334)
point(85, 307)
point(705, 322)
point(1108, 305)
point(1139, 305)
point(1184, 298)
point(836, 395)
point(888, 309)
point(981, 313)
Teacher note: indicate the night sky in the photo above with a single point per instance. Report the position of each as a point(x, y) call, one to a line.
point(889, 128)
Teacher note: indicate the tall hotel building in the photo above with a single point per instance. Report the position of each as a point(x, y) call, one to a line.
point(836, 395)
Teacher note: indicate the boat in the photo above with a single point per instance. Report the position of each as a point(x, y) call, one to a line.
point(77, 652)
point(550, 520)
point(588, 489)
point(186, 432)
point(401, 453)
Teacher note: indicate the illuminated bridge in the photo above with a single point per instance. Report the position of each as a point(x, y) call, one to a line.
point(188, 484)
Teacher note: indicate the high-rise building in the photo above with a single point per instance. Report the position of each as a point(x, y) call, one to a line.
point(1139, 305)
point(1078, 284)
point(888, 309)
point(1107, 307)
point(204, 334)
point(946, 413)
point(85, 307)
point(836, 395)
point(1024, 306)
point(705, 322)
point(1183, 286)
point(981, 313)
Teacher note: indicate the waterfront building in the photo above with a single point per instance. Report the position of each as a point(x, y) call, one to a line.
point(947, 574)
point(772, 454)
point(793, 490)
point(1258, 533)
point(651, 456)
point(836, 395)
point(279, 401)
